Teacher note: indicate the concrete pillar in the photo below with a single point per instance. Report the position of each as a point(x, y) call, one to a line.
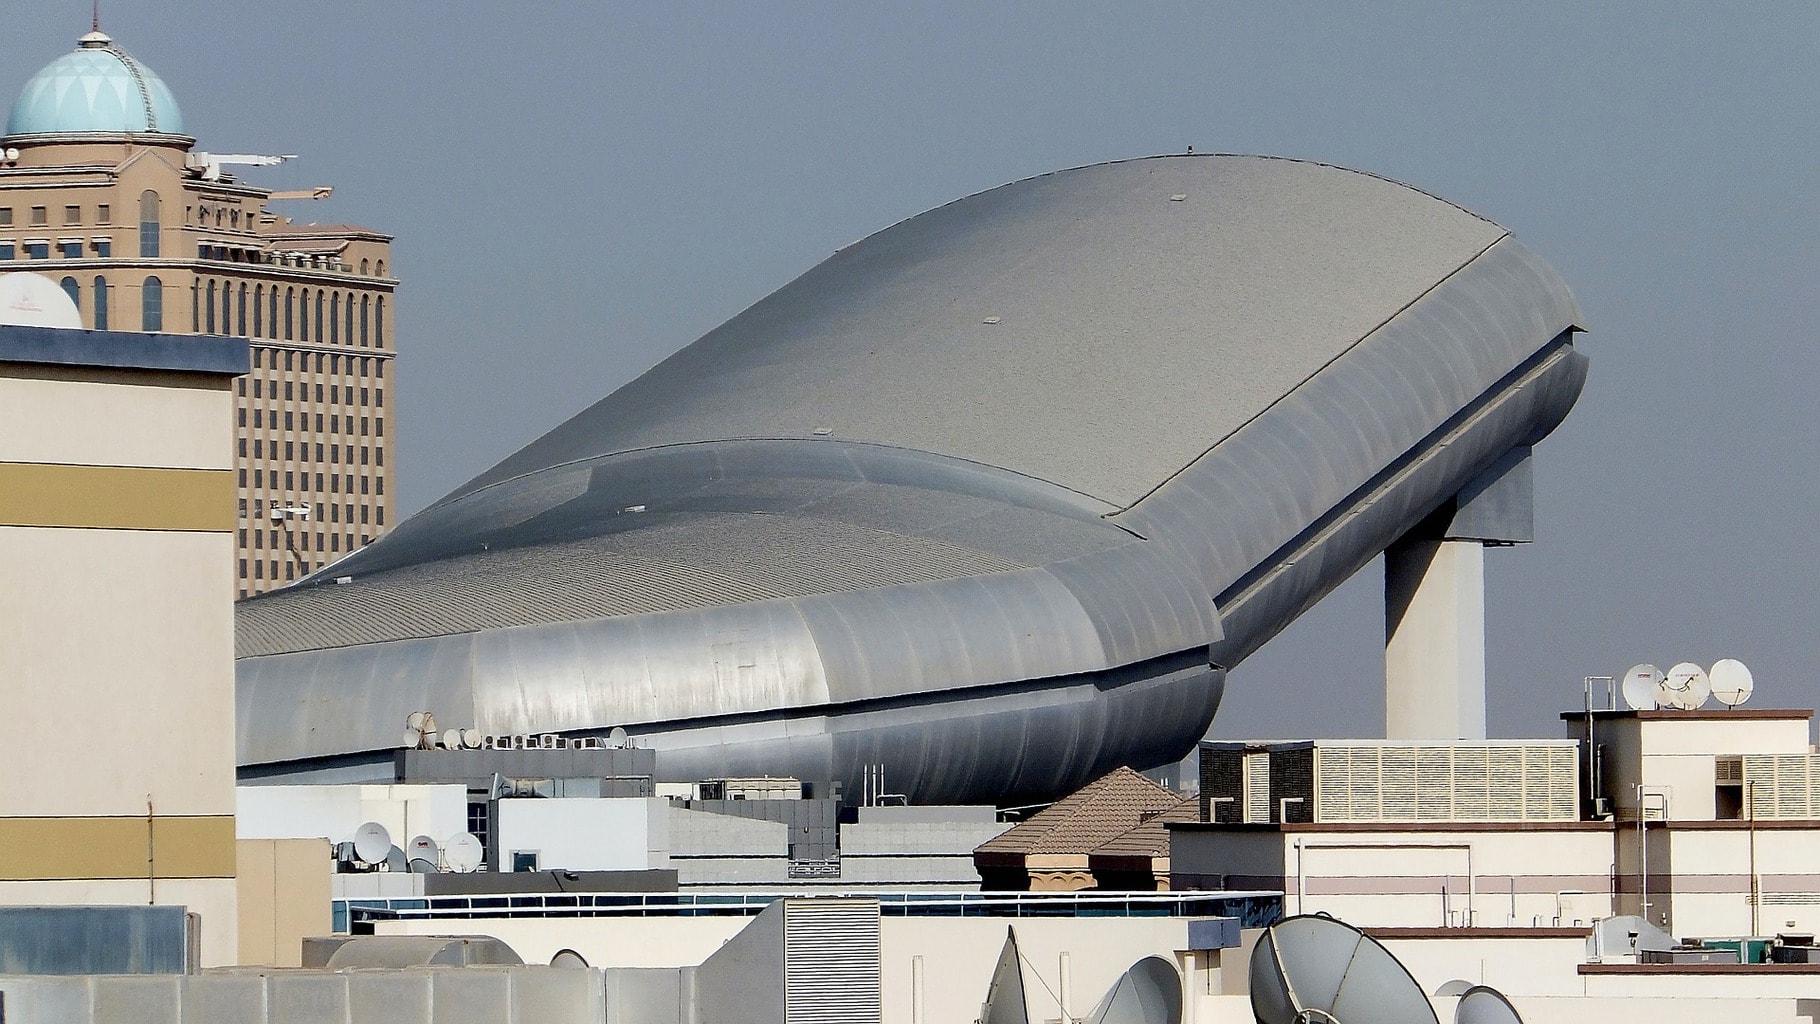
point(1434, 639)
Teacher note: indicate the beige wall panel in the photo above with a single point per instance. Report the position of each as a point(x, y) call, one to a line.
point(133, 631)
point(106, 424)
point(284, 897)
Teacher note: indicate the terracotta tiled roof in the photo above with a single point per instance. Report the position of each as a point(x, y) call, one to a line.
point(1151, 839)
point(1083, 821)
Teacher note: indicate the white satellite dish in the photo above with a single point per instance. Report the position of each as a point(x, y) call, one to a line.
point(33, 300)
point(395, 860)
point(372, 842)
point(1640, 685)
point(424, 847)
point(413, 738)
point(451, 739)
point(471, 738)
point(1731, 682)
point(419, 866)
point(618, 739)
point(1482, 1004)
point(463, 852)
point(414, 720)
point(1685, 687)
point(429, 723)
point(1689, 686)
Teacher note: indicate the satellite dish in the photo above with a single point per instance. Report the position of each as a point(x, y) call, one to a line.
point(1149, 993)
point(451, 739)
point(372, 842)
point(33, 300)
point(420, 866)
point(568, 958)
point(471, 738)
point(1313, 968)
point(414, 720)
point(1685, 687)
point(463, 852)
point(1485, 1005)
point(413, 738)
point(425, 847)
point(1005, 1000)
point(618, 738)
point(429, 723)
point(1731, 682)
point(1640, 685)
point(395, 860)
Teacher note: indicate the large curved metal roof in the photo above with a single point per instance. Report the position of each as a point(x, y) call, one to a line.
point(1140, 311)
point(994, 495)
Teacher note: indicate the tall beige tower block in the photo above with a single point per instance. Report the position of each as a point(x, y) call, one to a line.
point(117, 519)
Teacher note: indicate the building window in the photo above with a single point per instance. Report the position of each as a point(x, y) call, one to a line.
point(37, 250)
point(39, 217)
point(241, 322)
point(210, 321)
point(258, 310)
point(379, 322)
point(7, 252)
point(319, 308)
point(148, 224)
point(272, 311)
point(365, 304)
point(100, 303)
point(72, 215)
point(6, 216)
point(69, 248)
point(335, 319)
point(104, 247)
point(290, 309)
point(73, 290)
point(349, 333)
point(363, 263)
point(151, 305)
point(303, 316)
point(104, 214)
point(227, 305)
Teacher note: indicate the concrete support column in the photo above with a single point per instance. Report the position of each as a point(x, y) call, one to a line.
point(1434, 639)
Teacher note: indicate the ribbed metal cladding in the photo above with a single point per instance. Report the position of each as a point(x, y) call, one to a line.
point(831, 962)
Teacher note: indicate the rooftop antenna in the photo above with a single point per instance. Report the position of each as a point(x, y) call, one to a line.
point(1684, 688)
point(95, 23)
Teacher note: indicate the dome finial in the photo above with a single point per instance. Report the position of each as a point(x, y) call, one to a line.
point(96, 39)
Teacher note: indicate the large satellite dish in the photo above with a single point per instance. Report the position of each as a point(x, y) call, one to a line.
point(33, 300)
point(1731, 682)
point(618, 738)
point(1149, 993)
point(423, 847)
point(1685, 687)
point(1482, 1004)
point(1005, 1002)
point(463, 852)
point(1313, 968)
point(372, 842)
point(1640, 685)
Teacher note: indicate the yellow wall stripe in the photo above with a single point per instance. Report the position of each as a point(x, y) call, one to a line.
point(42, 849)
point(116, 497)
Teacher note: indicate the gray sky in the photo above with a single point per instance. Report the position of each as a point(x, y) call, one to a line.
point(580, 189)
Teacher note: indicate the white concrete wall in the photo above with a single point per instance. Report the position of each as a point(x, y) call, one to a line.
point(609, 834)
point(335, 812)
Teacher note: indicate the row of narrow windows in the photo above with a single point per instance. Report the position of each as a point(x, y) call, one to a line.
point(301, 421)
point(40, 216)
point(334, 480)
point(294, 389)
point(266, 359)
point(67, 249)
point(334, 318)
point(151, 302)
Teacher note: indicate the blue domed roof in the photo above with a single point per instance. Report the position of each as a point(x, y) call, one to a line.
point(97, 88)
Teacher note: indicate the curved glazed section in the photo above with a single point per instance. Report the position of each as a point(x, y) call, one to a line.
point(993, 497)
